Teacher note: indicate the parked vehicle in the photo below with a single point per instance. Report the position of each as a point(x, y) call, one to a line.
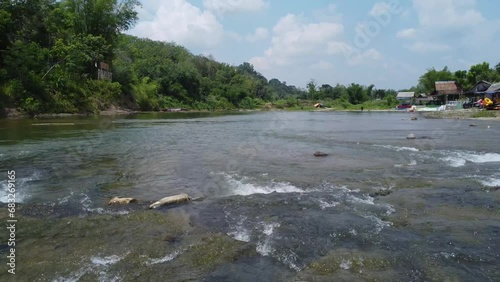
point(470, 103)
point(404, 106)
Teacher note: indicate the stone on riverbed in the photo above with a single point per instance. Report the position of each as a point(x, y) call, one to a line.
point(180, 198)
point(121, 201)
point(320, 154)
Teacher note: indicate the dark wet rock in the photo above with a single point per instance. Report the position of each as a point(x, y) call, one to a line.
point(472, 125)
point(4, 248)
point(198, 199)
point(384, 192)
point(492, 189)
point(320, 154)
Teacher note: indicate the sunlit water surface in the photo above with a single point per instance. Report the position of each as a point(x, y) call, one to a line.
point(378, 207)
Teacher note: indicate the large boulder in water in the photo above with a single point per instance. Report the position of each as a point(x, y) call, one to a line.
point(411, 136)
point(121, 201)
point(180, 198)
point(320, 154)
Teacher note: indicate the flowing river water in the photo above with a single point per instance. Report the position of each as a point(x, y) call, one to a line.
point(379, 207)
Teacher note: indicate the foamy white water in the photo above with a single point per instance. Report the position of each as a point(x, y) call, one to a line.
point(269, 228)
point(454, 161)
point(105, 261)
point(21, 186)
point(244, 187)
point(86, 203)
point(97, 265)
point(264, 248)
point(166, 258)
point(490, 182)
point(460, 158)
point(398, 148)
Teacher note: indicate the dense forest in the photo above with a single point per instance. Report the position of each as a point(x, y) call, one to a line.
point(55, 57)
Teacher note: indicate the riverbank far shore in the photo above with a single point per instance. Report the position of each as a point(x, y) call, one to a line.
point(463, 114)
point(10, 113)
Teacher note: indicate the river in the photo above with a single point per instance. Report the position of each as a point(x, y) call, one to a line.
point(379, 207)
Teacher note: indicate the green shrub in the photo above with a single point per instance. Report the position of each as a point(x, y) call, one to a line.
point(104, 93)
point(31, 106)
point(145, 94)
point(484, 114)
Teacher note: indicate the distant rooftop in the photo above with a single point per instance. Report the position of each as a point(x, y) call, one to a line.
point(405, 95)
point(448, 87)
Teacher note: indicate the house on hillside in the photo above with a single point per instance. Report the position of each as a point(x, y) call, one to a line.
point(448, 91)
point(493, 89)
point(493, 92)
point(422, 99)
point(478, 89)
point(405, 96)
point(103, 71)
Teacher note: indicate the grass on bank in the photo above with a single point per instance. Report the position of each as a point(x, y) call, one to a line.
point(484, 114)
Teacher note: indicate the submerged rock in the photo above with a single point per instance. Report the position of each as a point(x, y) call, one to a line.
point(384, 192)
point(180, 198)
point(121, 201)
point(320, 154)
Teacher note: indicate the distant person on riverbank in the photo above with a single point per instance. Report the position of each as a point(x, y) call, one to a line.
point(362, 109)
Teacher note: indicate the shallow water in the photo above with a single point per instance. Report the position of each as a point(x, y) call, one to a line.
point(378, 207)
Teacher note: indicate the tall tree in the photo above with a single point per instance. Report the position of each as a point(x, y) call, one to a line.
point(427, 80)
point(481, 72)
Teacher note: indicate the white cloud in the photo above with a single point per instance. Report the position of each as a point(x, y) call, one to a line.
point(380, 9)
point(321, 65)
point(442, 24)
point(447, 13)
point(233, 6)
point(407, 33)
point(339, 48)
point(260, 63)
point(259, 34)
point(293, 38)
point(183, 23)
point(425, 47)
point(352, 55)
point(363, 57)
point(383, 9)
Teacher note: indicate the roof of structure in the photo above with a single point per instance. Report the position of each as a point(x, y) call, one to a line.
point(448, 87)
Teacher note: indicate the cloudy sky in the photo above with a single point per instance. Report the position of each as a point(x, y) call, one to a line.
point(387, 43)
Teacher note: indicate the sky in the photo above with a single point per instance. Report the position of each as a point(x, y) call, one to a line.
point(386, 43)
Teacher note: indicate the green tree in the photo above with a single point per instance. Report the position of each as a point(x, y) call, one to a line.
point(311, 89)
point(427, 80)
point(481, 72)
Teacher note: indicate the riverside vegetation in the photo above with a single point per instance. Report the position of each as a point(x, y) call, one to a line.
point(50, 50)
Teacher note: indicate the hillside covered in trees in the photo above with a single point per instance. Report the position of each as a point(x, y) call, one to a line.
point(52, 54)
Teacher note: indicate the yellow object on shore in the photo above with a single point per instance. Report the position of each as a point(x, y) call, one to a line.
point(487, 102)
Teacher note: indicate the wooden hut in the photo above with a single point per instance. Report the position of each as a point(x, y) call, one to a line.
point(405, 95)
point(449, 90)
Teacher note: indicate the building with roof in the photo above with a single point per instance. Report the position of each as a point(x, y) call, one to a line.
point(449, 90)
point(405, 95)
point(478, 89)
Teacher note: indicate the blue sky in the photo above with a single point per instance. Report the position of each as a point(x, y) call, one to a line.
point(385, 43)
